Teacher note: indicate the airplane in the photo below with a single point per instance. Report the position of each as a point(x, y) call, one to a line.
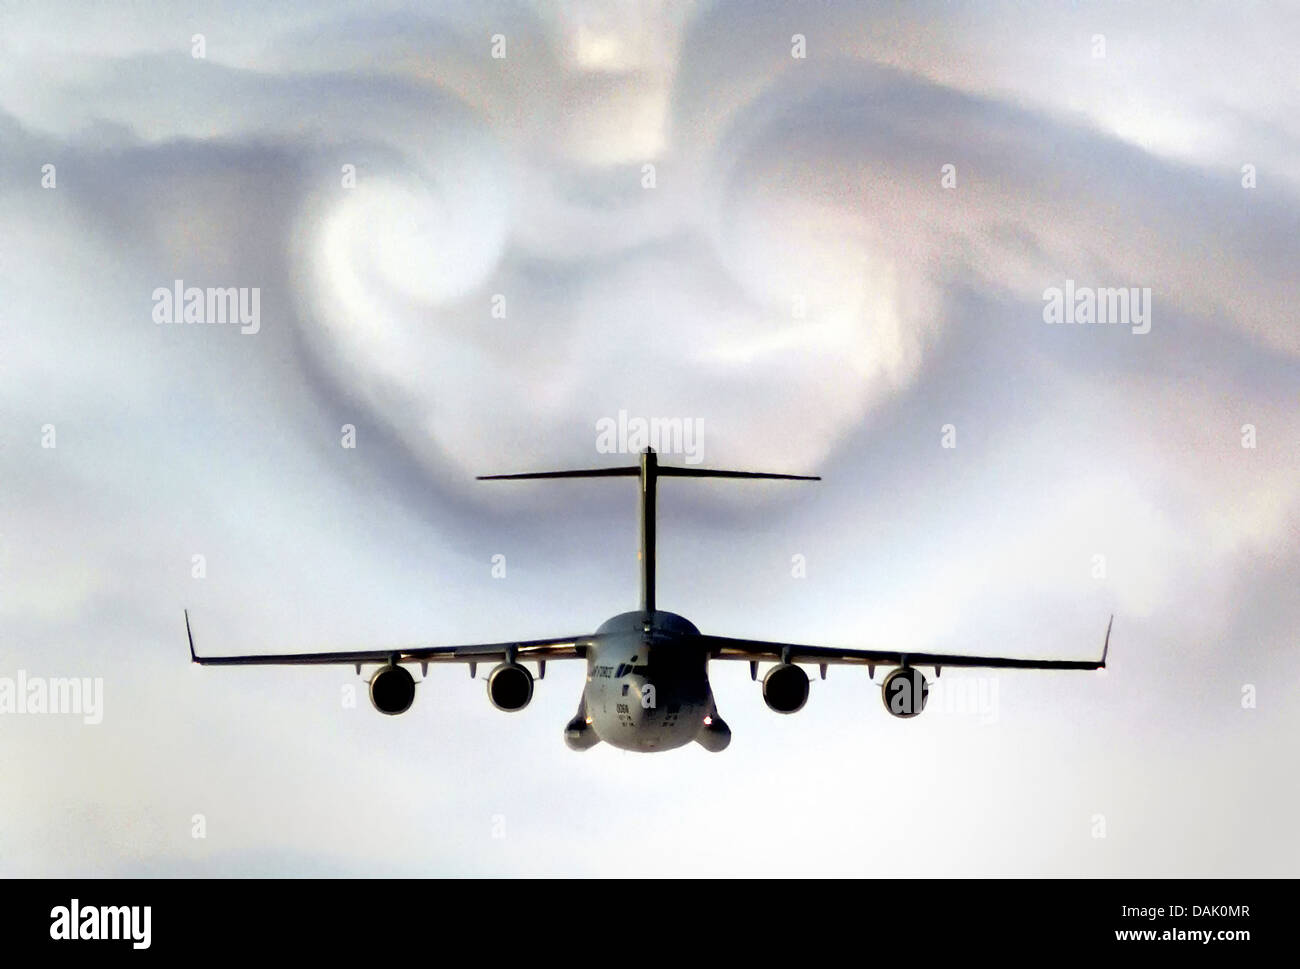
point(647, 685)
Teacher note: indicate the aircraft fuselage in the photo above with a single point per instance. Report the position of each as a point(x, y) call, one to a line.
point(647, 687)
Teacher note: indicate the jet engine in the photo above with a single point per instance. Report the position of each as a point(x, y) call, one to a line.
point(392, 689)
point(510, 687)
point(904, 692)
point(785, 688)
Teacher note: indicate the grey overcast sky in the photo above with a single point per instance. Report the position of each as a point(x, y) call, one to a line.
point(798, 271)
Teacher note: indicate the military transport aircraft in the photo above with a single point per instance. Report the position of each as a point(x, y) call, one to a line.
point(648, 671)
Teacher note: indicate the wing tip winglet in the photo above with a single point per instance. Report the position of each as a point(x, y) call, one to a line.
point(1105, 649)
point(190, 636)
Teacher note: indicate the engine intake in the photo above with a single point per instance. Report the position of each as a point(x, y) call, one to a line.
point(510, 687)
point(785, 688)
point(904, 692)
point(392, 690)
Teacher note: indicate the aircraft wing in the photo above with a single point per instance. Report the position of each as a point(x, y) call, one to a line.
point(755, 650)
point(564, 647)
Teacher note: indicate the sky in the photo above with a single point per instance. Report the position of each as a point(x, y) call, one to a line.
point(826, 234)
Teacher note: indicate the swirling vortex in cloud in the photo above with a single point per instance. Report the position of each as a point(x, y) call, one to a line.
point(785, 276)
point(779, 285)
point(776, 319)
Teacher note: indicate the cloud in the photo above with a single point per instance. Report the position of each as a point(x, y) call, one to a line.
point(798, 278)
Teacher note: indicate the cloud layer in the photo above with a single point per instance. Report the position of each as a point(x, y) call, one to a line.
point(665, 212)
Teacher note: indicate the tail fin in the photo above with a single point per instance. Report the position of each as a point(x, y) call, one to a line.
point(649, 472)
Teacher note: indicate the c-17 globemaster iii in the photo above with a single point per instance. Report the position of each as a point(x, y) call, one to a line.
point(647, 685)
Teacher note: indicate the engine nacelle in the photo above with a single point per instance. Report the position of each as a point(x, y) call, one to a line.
point(510, 687)
point(392, 690)
point(785, 688)
point(904, 692)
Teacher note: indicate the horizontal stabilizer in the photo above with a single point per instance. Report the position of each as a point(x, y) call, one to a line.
point(630, 472)
point(662, 471)
point(668, 471)
point(649, 471)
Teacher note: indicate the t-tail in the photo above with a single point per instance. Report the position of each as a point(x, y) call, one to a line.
point(649, 471)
